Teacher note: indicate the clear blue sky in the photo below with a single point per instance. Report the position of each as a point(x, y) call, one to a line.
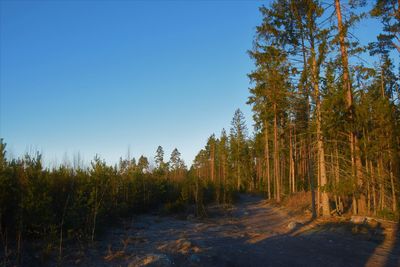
point(102, 76)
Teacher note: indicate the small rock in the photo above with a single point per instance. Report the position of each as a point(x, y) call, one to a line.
point(196, 249)
point(358, 219)
point(293, 225)
point(372, 222)
point(183, 246)
point(190, 217)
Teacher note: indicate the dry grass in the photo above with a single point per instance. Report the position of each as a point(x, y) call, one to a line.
point(298, 202)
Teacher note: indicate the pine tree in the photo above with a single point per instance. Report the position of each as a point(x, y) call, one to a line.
point(359, 201)
point(224, 165)
point(143, 164)
point(237, 139)
point(269, 97)
point(176, 164)
point(161, 166)
point(389, 13)
point(211, 151)
point(159, 157)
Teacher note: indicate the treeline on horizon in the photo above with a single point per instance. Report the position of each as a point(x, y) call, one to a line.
point(64, 203)
point(325, 123)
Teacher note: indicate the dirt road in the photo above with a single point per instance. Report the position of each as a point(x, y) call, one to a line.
point(252, 233)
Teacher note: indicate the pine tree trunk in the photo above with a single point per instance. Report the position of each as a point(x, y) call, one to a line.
point(382, 183)
point(311, 179)
point(212, 162)
point(266, 152)
point(368, 173)
point(282, 173)
point(318, 187)
point(238, 176)
point(295, 159)
point(373, 182)
point(394, 199)
point(337, 178)
point(358, 204)
point(260, 180)
point(320, 141)
point(303, 161)
point(291, 163)
point(224, 177)
point(276, 157)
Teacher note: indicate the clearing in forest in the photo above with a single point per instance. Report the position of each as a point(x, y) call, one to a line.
point(251, 233)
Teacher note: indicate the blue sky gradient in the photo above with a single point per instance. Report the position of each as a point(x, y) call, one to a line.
point(102, 76)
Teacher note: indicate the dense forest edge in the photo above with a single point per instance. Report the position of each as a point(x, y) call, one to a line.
point(326, 123)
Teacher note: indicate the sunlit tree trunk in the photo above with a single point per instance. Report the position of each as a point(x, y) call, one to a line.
point(320, 141)
point(276, 157)
point(392, 183)
point(381, 184)
point(291, 163)
point(267, 160)
point(358, 204)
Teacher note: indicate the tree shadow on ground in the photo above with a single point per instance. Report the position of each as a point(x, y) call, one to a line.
point(328, 244)
point(393, 258)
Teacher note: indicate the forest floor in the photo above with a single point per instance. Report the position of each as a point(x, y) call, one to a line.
point(253, 232)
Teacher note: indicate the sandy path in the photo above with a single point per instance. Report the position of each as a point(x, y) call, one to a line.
point(253, 233)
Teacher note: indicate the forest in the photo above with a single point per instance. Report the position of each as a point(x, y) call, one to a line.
point(327, 122)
